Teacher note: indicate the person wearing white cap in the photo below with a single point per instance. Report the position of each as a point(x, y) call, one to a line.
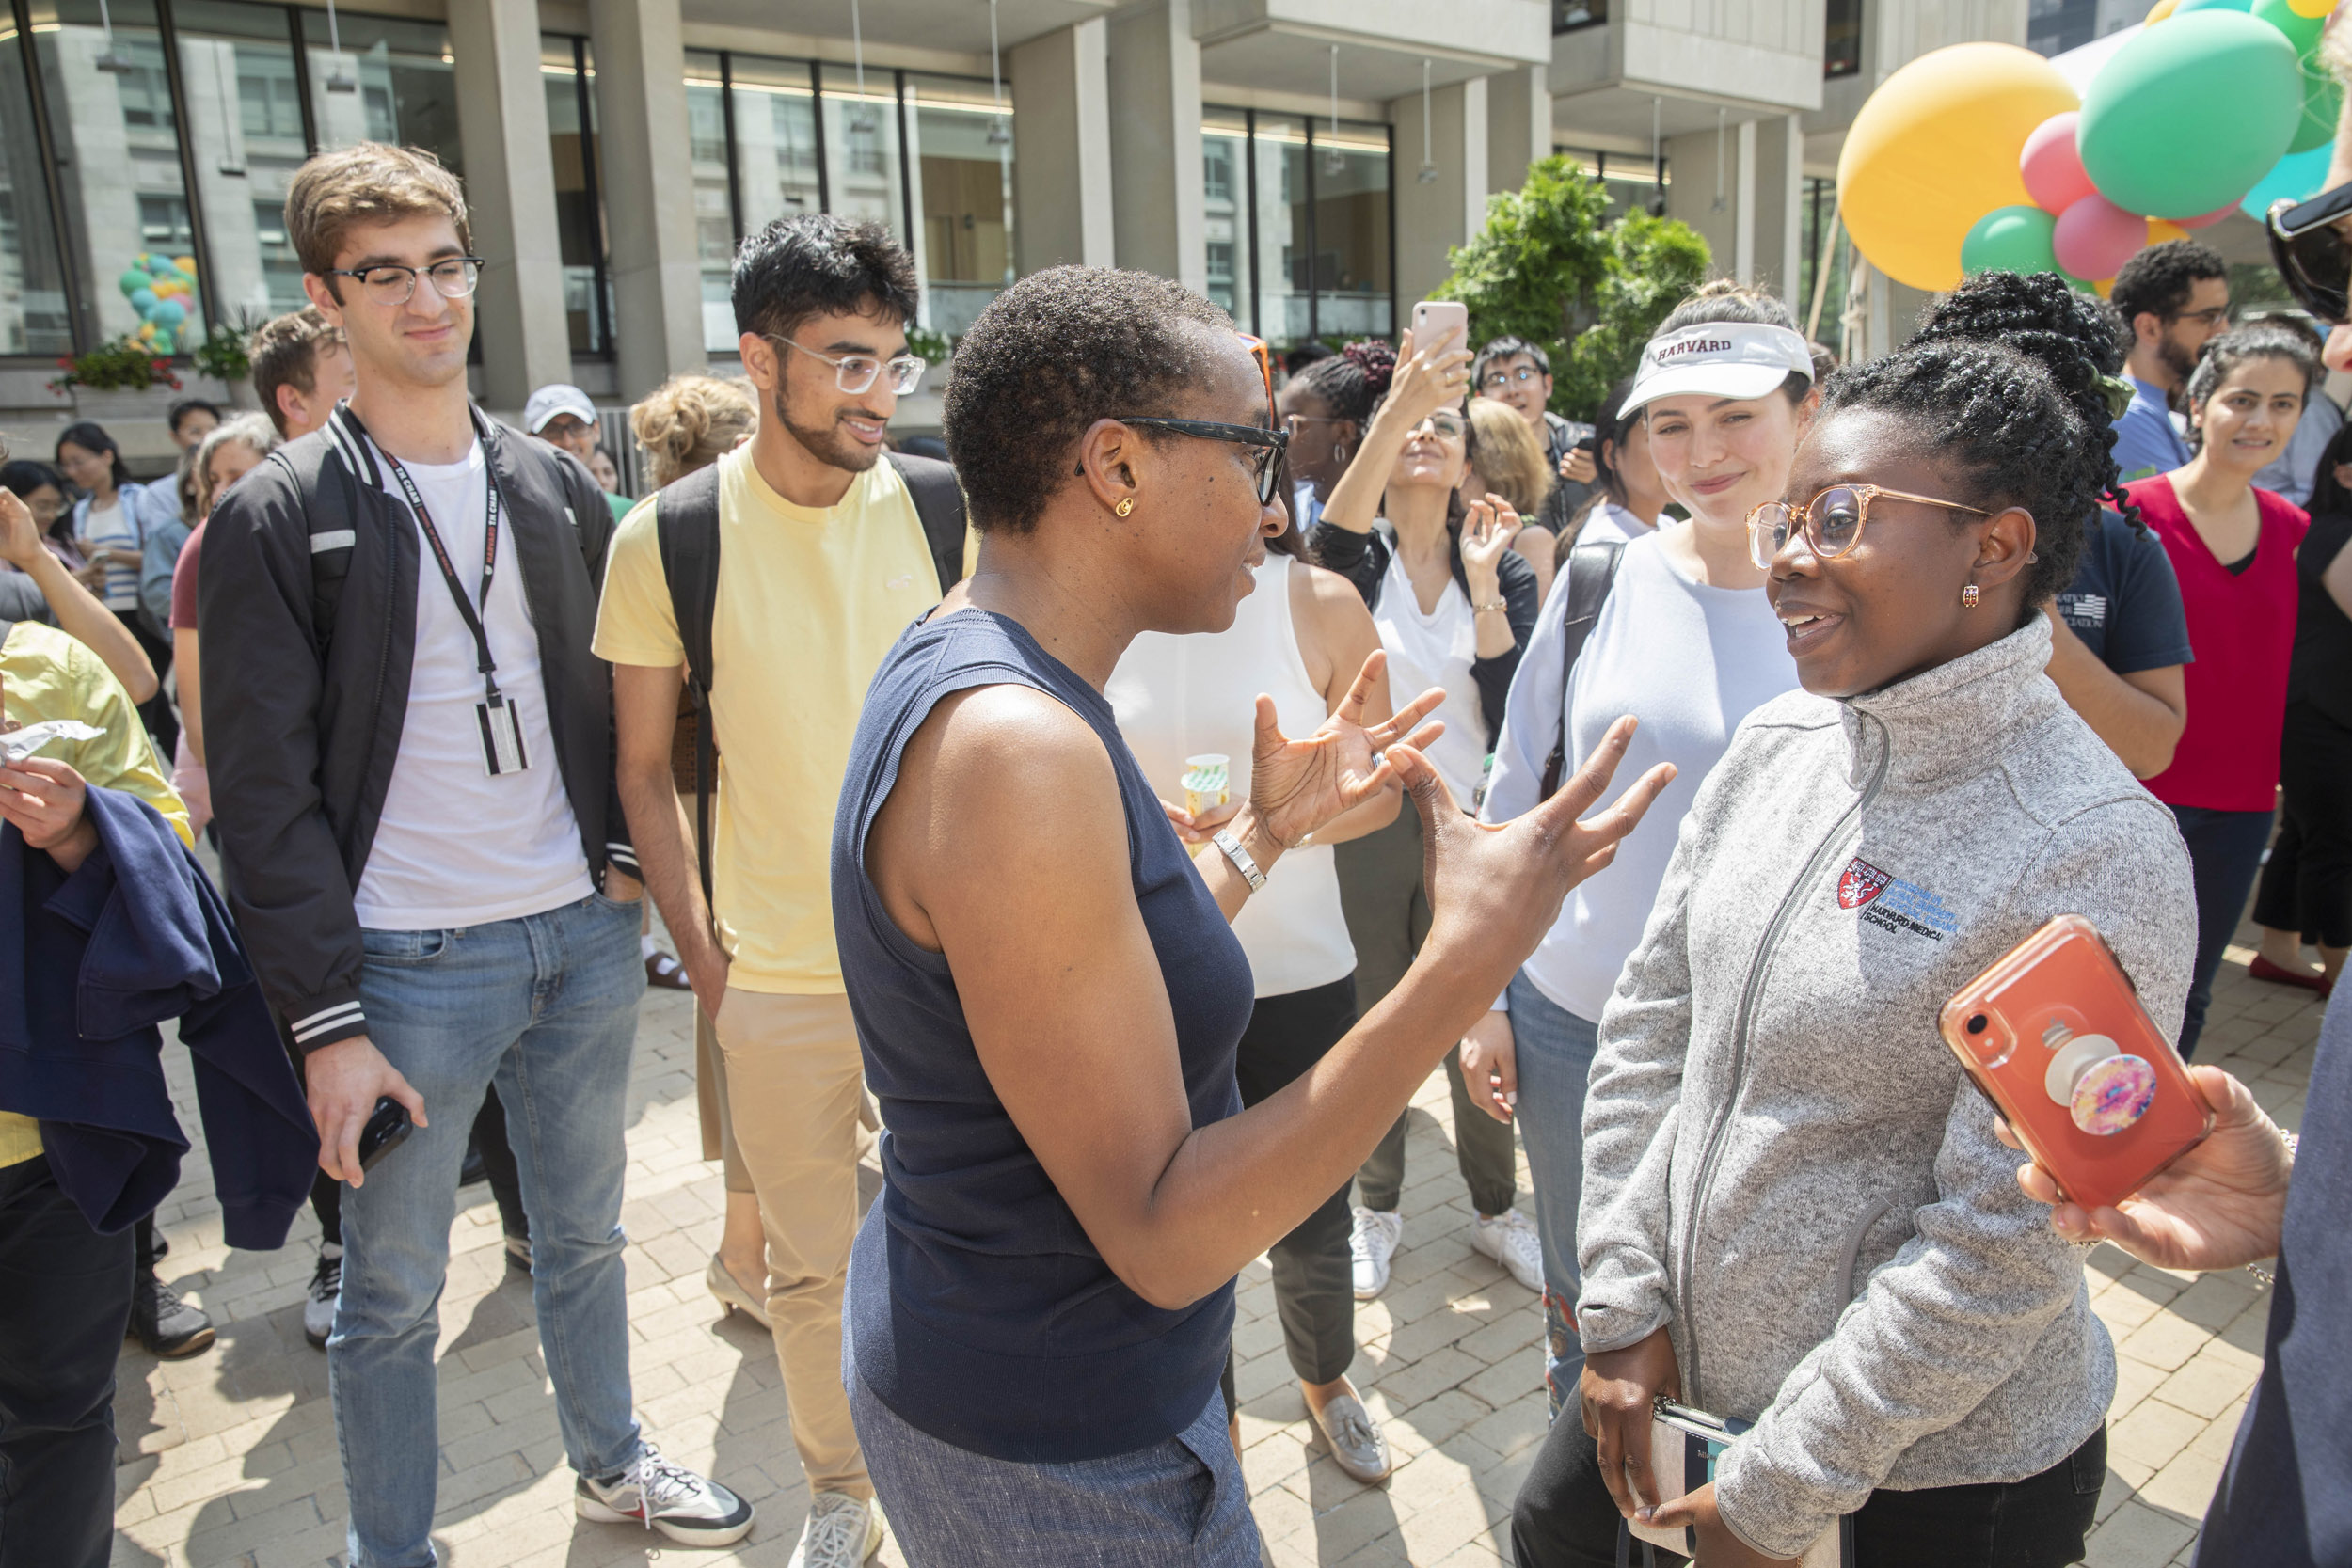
point(561, 415)
point(1684, 641)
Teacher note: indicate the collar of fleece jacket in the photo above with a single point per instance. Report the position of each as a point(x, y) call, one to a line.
point(1957, 718)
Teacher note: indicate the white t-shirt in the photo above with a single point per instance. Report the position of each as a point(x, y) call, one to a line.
point(1690, 661)
point(456, 847)
point(1436, 649)
point(1611, 521)
point(110, 523)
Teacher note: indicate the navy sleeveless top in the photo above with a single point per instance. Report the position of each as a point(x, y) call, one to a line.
point(978, 1308)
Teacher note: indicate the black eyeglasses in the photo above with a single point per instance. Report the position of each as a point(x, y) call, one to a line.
point(1271, 444)
point(390, 284)
point(2310, 251)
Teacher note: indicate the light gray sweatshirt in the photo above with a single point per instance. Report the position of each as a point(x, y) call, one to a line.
point(1784, 1162)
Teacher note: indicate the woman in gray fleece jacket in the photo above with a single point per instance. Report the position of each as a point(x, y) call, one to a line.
point(1795, 1209)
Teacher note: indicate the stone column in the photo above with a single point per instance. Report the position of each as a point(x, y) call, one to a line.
point(1154, 79)
point(649, 190)
point(1441, 204)
point(1061, 183)
point(510, 192)
point(1518, 125)
point(1780, 209)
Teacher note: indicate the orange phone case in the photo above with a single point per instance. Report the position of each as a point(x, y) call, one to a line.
point(2054, 1036)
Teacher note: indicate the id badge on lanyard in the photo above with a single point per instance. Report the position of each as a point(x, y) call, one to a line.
point(499, 722)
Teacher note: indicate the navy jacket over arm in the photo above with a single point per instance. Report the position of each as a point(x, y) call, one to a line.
point(98, 959)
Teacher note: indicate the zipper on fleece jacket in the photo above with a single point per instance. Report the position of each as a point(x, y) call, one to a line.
point(1686, 1282)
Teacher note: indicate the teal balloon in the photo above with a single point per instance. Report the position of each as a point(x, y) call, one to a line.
point(2185, 7)
point(143, 301)
point(2297, 177)
point(2009, 239)
point(2144, 145)
point(133, 281)
point(2323, 101)
point(167, 313)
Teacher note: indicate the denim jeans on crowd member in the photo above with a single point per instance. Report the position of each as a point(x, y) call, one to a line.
point(64, 1300)
point(1180, 1503)
point(547, 1005)
point(1554, 1050)
point(2225, 851)
point(1565, 1518)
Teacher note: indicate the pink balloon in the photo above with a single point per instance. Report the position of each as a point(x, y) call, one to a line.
point(2094, 237)
point(2209, 219)
point(2053, 170)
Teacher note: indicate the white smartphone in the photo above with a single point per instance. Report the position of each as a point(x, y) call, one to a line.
point(1440, 324)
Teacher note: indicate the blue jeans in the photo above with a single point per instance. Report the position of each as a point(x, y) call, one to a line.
point(1555, 1047)
point(2225, 851)
point(547, 1005)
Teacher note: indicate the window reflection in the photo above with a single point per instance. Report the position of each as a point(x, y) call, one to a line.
point(1225, 214)
point(569, 73)
point(34, 317)
point(860, 143)
point(962, 147)
point(246, 130)
point(1351, 231)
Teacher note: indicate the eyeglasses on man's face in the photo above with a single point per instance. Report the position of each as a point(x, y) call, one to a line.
point(1502, 380)
point(2212, 318)
point(390, 284)
point(856, 373)
point(1831, 521)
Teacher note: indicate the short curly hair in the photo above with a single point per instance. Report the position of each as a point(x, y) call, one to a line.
point(1999, 419)
point(1354, 380)
point(2159, 281)
point(1051, 354)
point(2077, 338)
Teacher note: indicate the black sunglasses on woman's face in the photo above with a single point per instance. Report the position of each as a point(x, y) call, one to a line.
point(1270, 444)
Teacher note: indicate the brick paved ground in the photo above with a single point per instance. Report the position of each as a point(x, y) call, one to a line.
point(229, 1458)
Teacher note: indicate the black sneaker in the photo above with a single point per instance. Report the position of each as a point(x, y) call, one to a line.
point(168, 1327)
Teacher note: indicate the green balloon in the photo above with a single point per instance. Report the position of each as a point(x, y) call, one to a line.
point(2185, 7)
point(2301, 31)
point(2146, 151)
point(2323, 100)
point(133, 281)
point(2009, 239)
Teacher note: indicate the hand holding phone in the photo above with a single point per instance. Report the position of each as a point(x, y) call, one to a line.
point(2054, 1036)
point(387, 1129)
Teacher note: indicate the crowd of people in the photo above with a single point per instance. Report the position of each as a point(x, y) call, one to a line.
point(1886, 665)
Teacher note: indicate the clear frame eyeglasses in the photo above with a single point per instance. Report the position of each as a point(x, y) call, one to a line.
point(856, 373)
point(391, 284)
point(1500, 380)
point(1831, 521)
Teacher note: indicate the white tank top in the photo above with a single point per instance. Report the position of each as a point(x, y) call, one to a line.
point(1436, 649)
point(1178, 697)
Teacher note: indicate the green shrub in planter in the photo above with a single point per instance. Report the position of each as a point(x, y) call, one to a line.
point(124, 365)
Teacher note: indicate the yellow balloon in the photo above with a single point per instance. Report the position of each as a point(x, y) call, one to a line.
point(2161, 230)
point(2310, 8)
point(2105, 288)
point(2160, 11)
point(185, 264)
point(1935, 149)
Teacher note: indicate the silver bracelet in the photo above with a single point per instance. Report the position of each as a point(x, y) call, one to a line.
point(2261, 1276)
point(1240, 857)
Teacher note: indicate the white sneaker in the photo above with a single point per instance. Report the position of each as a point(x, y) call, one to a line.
point(1371, 1245)
point(326, 1283)
point(842, 1532)
point(659, 1495)
point(1510, 1240)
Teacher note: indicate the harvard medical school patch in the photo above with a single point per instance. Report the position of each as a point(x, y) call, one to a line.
point(1892, 904)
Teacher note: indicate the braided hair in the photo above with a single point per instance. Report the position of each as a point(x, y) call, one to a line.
point(1354, 380)
point(2002, 422)
point(2077, 338)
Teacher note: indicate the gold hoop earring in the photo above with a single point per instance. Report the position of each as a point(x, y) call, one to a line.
point(1126, 504)
point(1968, 597)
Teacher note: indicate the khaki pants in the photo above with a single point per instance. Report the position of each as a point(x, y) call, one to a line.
point(794, 1081)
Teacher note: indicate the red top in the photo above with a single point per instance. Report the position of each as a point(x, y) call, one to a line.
point(184, 582)
point(2242, 629)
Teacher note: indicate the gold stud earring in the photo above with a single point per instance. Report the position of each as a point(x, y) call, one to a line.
point(1126, 504)
point(1968, 597)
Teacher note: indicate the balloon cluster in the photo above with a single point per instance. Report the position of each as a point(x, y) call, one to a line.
point(162, 289)
point(1980, 155)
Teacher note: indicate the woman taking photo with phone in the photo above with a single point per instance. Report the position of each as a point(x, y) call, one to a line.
point(1455, 604)
point(1049, 1000)
point(2234, 550)
point(1686, 642)
point(1796, 1210)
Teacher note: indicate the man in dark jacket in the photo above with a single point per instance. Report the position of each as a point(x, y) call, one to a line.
point(412, 761)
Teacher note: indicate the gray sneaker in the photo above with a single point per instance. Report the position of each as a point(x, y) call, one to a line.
point(1354, 1439)
point(842, 1531)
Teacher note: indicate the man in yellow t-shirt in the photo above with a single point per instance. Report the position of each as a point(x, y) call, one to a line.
point(822, 563)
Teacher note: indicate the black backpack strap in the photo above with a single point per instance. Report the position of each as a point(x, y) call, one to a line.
point(939, 502)
point(686, 523)
point(1591, 572)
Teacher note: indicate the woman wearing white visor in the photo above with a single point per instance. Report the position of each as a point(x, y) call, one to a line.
point(1683, 640)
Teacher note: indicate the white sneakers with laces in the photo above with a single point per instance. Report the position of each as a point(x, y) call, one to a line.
point(660, 1494)
point(326, 1283)
point(1509, 1237)
point(1371, 1245)
point(842, 1532)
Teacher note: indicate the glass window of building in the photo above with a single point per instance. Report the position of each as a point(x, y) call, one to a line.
point(714, 192)
point(1351, 231)
point(1841, 40)
point(568, 74)
point(35, 313)
point(863, 167)
point(246, 137)
point(115, 141)
point(1568, 15)
point(1285, 215)
point(777, 172)
point(1225, 211)
point(962, 169)
point(392, 81)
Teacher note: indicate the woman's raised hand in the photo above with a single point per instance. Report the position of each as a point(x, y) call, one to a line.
point(1495, 891)
point(1487, 530)
point(1295, 786)
point(1424, 382)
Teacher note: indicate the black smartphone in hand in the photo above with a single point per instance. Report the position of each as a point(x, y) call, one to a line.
point(388, 1128)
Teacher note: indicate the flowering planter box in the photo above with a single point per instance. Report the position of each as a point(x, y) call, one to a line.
point(111, 403)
